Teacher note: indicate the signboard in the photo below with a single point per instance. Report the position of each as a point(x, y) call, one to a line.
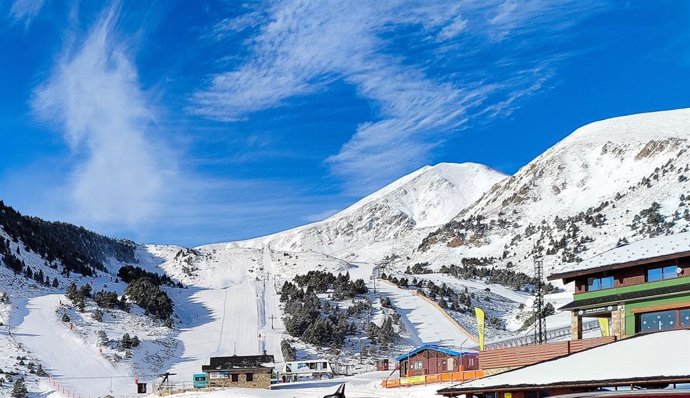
point(595, 310)
point(219, 375)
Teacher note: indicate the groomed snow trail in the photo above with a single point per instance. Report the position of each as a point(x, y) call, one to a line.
point(76, 365)
point(230, 327)
point(232, 319)
point(426, 323)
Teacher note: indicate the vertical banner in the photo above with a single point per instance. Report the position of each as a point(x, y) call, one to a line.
point(604, 326)
point(480, 326)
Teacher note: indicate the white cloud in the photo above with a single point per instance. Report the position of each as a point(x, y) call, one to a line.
point(94, 98)
point(302, 45)
point(26, 9)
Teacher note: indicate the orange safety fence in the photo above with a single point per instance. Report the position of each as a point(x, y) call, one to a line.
point(434, 378)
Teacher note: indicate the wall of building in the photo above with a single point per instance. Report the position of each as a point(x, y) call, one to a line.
point(260, 380)
point(636, 288)
point(434, 362)
point(633, 276)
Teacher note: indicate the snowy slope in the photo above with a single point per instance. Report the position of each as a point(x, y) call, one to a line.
point(426, 198)
point(622, 178)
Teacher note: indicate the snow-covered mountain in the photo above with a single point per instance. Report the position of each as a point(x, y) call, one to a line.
point(426, 198)
point(621, 178)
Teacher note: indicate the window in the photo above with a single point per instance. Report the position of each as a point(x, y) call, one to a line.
point(235, 378)
point(250, 376)
point(663, 320)
point(418, 365)
point(599, 283)
point(658, 274)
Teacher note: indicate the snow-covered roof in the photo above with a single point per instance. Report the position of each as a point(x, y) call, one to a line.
point(662, 355)
point(647, 249)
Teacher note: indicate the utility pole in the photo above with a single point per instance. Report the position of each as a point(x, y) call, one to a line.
point(272, 317)
point(540, 322)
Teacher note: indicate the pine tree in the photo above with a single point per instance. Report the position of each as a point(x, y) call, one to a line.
point(65, 318)
point(126, 341)
point(56, 284)
point(40, 372)
point(71, 292)
point(19, 390)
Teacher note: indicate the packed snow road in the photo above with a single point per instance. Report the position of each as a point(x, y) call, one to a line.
point(74, 364)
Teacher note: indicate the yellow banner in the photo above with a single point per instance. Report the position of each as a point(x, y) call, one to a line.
point(604, 326)
point(412, 380)
point(480, 326)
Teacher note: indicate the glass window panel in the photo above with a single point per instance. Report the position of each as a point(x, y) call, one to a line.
point(685, 318)
point(670, 272)
point(607, 283)
point(654, 275)
point(656, 321)
point(593, 284)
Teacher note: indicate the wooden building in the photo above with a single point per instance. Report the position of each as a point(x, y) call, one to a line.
point(432, 359)
point(639, 287)
point(657, 360)
point(249, 371)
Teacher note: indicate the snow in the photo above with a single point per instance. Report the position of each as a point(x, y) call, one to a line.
point(67, 357)
point(639, 250)
point(664, 354)
point(360, 386)
point(426, 323)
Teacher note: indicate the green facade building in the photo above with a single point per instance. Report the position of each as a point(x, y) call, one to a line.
point(641, 287)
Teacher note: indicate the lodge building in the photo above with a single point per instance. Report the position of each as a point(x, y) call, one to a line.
point(248, 371)
point(433, 359)
point(640, 287)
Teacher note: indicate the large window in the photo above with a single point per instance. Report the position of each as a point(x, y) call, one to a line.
point(657, 274)
point(598, 283)
point(663, 320)
point(235, 377)
point(250, 376)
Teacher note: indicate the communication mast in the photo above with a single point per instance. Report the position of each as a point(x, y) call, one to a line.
point(540, 321)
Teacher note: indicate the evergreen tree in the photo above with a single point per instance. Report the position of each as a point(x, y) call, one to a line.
point(40, 372)
point(19, 390)
point(126, 341)
point(71, 292)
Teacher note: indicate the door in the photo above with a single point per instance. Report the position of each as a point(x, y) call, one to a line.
point(451, 364)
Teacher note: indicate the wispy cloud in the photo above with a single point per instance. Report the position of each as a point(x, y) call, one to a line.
point(302, 45)
point(26, 10)
point(94, 98)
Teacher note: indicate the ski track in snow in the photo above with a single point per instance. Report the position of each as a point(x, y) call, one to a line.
point(423, 321)
point(76, 365)
point(238, 323)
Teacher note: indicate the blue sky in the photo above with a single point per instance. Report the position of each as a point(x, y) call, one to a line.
point(197, 122)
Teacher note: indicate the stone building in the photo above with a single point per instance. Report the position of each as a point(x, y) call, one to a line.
point(248, 371)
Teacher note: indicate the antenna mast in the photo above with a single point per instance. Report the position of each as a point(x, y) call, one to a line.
point(540, 322)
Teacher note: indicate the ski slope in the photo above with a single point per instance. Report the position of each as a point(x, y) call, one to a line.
point(228, 320)
point(76, 365)
point(425, 323)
